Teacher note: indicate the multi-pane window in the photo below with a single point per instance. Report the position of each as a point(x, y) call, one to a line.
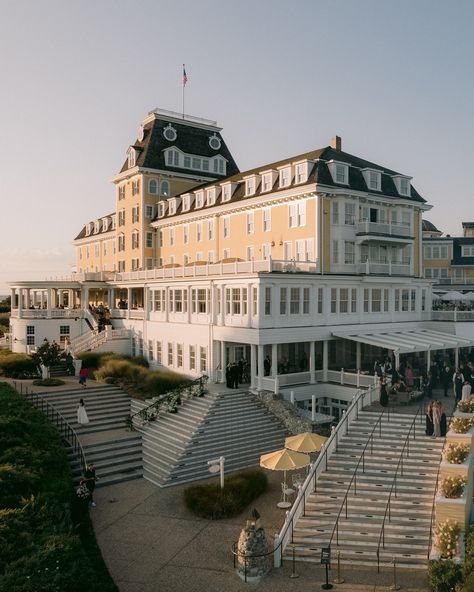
point(226, 192)
point(335, 252)
point(179, 355)
point(226, 226)
point(306, 300)
point(121, 242)
point(349, 252)
point(466, 251)
point(268, 301)
point(192, 357)
point(210, 230)
point(366, 299)
point(121, 217)
point(200, 299)
point(172, 236)
point(136, 214)
point(30, 335)
point(150, 350)
point(341, 173)
point(210, 256)
point(267, 182)
point(254, 301)
point(96, 249)
point(294, 301)
point(283, 300)
point(385, 300)
point(250, 223)
point(178, 300)
point(199, 232)
point(199, 199)
point(335, 212)
point(267, 220)
point(377, 300)
point(374, 180)
point(250, 186)
point(301, 173)
point(297, 214)
point(349, 213)
point(135, 239)
point(186, 234)
point(405, 296)
point(412, 300)
point(121, 192)
point(266, 251)
point(203, 358)
point(170, 354)
point(136, 187)
point(404, 186)
point(285, 177)
point(159, 352)
point(159, 300)
point(353, 300)
point(333, 300)
point(343, 300)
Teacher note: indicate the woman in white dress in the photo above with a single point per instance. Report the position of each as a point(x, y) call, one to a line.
point(82, 418)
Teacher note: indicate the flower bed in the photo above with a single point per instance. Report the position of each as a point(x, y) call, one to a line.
point(466, 407)
point(447, 538)
point(452, 487)
point(461, 431)
point(455, 454)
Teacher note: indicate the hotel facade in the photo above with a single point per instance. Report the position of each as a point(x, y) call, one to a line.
point(301, 267)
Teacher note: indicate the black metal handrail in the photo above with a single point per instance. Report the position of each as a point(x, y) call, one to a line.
point(393, 488)
point(370, 439)
point(171, 399)
point(68, 433)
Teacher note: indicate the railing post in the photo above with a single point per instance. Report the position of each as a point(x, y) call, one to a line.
point(277, 554)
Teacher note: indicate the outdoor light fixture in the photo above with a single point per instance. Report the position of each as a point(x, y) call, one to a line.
point(253, 519)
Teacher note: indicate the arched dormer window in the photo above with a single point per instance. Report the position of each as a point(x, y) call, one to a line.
point(153, 186)
point(165, 188)
point(132, 157)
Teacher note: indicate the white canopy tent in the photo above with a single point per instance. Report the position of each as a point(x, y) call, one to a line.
point(453, 296)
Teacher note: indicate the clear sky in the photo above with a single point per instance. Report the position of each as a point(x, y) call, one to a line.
point(394, 78)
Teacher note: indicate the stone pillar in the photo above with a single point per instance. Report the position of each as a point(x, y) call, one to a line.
point(20, 303)
point(358, 355)
point(456, 357)
point(253, 365)
point(312, 363)
point(397, 359)
point(274, 371)
point(252, 547)
point(325, 360)
point(223, 360)
point(428, 360)
point(260, 367)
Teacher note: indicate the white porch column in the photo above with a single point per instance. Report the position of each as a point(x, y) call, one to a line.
point(42, 299)
point(20, 303)
point(85, 304)
point(358, 354)
point(274, 371)
point(260, 367)
point(428, 360)
point(312, 363)
point(28, 296)
point(397, 359)
point(325, 360)
point(456, 357)
point(49, 304)
point(223, 360)
point(129, 302)
point(223, 305)
point(253, 365)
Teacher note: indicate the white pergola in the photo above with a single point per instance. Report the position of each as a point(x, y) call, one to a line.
point(406, 341)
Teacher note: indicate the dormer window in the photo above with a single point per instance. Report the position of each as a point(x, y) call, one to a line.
point(186, 203)
point(211, 196)
point(219, 166)
point(372, 179)
point(172, 207)
point(105, 224)
point(250, 186)
point(88, 228)
point(301, 172)
point(132, 157)
point(339, 172)
point(96, 226)
point(199, 199)
point(226, 192)
point(172, 158)
point(285, 177)
point(267, 182)
point(161, 209)
point(403, 185)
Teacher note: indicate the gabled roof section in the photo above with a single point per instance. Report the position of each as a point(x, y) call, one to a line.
point(191, 138)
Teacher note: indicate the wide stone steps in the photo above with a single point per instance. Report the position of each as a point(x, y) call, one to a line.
point(407, 528)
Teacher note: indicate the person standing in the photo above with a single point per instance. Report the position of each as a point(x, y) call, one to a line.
point(383, 399)
point(228, 375)
point(436, 414)
point(429, 419)
point(267, 366)
point(446, 379)
point(235, 376)
point(458, 381)
point(82, 418)
point(409, 377)
point(90, 479)
point(83, 376)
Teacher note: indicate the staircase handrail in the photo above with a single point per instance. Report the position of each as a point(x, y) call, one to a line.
point(54, 416)
point(316, 467)
point(370, 440)
point(171, 399)
point(393, 487)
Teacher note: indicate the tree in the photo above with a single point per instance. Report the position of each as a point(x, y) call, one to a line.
point(47, 354)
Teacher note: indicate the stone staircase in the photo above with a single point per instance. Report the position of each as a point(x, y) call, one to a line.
point(116, 453)
point(176, 447)
point(407, 532)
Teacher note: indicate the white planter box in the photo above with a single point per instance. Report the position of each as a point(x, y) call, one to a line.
point(447, 469)
point(458, 413)
point(467, 438)
point(453, 509)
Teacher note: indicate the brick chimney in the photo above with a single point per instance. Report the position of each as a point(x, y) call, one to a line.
point(336, 143)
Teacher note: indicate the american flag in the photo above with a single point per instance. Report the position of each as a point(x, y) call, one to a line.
point(185, 77)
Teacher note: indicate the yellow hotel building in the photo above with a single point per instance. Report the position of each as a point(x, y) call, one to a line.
point(300, 266)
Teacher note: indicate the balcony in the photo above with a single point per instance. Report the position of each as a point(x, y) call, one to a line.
point(386, 230)
point(43, 313)
point(371, 267)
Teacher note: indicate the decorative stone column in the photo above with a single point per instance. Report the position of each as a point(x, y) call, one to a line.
point(312, 363)
point(252, 549)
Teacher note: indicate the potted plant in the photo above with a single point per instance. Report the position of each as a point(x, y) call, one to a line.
point(461, 431)
point(447, 538)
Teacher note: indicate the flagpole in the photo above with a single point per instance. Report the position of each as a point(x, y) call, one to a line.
point(183, 84)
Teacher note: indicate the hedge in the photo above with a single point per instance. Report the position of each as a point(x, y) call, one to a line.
point(18, 366)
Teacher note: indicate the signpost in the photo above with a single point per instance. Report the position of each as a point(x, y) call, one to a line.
point(326, 560)
point(216, 465)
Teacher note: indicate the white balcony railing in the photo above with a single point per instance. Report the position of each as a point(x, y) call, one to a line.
point(452, 315)
point(384, 267)
point(366, 227)
point(43, 313)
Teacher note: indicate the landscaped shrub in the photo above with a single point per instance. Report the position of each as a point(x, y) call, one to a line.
point(466, 406)
point(159, 382)
point(18, 366)
point(453, 487)
point(461, 425)
point(93, 360)
point(123, 371)
point(456, 454)
point(443, 576)
point(446, 538)
point(210, 501)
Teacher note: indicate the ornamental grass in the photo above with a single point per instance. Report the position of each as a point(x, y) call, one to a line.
point(453, 487)
point(461, 425)
point(446, 538)
point(466, 406)
point(456, 454)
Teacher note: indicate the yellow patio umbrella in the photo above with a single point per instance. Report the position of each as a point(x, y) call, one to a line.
point(306, 442)
point(284, 460)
